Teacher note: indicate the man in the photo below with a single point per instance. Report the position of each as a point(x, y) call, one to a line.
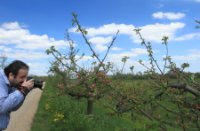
point(13, 89)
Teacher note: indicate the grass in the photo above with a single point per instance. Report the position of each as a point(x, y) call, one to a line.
point(63, 113)
point(73, 116)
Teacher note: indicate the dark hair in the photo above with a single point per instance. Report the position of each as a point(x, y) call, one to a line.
point(14, 67)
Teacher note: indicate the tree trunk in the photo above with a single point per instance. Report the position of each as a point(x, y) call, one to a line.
point(90, 102)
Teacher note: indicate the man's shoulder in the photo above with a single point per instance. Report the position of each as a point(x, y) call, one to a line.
point(2, 74)
point(3, 77)
point(3, 87)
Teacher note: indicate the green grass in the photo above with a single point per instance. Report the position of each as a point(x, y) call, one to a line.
point(63, 113)
point(74, 114)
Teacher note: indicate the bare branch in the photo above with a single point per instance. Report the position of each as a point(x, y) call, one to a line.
point(186, 88)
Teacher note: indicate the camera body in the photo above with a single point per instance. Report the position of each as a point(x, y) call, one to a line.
point(37, 83)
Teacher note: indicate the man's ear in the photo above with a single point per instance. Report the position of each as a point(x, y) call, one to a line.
point(11, 76)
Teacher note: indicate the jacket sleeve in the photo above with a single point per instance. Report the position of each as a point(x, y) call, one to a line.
point(10, 102)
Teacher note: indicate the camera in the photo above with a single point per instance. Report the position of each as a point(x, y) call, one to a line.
point(37, 83)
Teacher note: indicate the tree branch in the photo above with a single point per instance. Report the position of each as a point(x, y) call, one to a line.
point(186, 88)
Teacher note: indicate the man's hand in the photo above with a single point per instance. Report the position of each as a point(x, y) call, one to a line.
point(26, 86)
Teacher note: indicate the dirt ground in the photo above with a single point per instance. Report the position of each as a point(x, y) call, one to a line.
point(21, 119)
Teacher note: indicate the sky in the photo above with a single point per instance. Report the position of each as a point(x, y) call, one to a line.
point(29, 27)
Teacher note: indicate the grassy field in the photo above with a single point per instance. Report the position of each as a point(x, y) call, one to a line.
point(63, 113)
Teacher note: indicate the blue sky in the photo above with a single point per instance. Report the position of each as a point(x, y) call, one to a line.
point(29, 27)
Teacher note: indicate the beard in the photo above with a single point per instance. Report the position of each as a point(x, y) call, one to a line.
point(15, 84)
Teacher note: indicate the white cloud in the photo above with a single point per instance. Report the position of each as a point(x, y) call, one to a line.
point(116, 48)
point(84, 58)
point(26, 55)
point(14, 33)
point(151, 32)
point(116, 60)
point(38, 68)
point(100, 40)
point(17, 42)
point(100, 43)
point(109, 29)
point(188, 37)
point(194, 55)
point(155, 32)
point(168, 15)
point(11, 26)
point(25, 45)
point(4, 49)
point(100, 48)
point(133, 53)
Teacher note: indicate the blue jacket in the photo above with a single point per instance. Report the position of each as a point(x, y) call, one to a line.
point(10, 100)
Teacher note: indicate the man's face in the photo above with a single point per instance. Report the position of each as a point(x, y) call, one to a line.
point(17, 80)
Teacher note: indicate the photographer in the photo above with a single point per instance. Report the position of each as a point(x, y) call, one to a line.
point(13, 89)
